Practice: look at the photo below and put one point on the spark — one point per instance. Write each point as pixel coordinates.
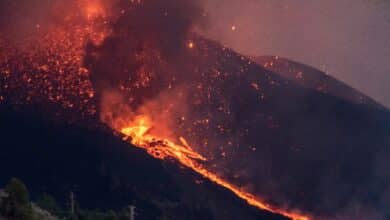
(191, 45)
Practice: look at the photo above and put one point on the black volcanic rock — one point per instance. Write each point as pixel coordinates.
(55, 157)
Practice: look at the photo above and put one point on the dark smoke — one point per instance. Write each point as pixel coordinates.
(148, 33)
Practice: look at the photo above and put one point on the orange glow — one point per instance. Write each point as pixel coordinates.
(191, 45)
(93, 9)
(140, 133)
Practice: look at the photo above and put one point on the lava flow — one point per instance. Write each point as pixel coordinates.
(139, 132)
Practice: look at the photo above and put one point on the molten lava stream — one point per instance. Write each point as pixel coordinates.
(138, 133)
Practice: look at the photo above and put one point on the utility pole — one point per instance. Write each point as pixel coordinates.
(72, 203)
(132, 212)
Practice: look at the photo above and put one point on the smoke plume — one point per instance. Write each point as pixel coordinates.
(146, 34)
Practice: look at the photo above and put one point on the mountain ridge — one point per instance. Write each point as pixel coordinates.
(312, 78)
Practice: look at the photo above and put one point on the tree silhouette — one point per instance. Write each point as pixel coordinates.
(17, 203)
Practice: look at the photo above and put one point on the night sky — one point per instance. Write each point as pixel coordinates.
(348, 39)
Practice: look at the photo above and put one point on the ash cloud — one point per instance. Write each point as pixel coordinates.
(147, 33)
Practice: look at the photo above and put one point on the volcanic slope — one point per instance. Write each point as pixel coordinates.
(312, 78)
(289, 144)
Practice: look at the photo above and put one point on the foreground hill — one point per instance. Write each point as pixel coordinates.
(104, 172)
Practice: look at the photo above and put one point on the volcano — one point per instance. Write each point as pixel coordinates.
(292, 146)
(253, 143)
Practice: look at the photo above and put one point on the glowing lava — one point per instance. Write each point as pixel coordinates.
(92, 9)
(140, 133)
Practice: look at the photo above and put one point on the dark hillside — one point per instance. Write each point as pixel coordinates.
(106, 173)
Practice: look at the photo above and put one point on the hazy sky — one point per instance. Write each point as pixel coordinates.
(349, 39)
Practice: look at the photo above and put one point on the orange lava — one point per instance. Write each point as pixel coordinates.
(93, 9)
(140, 133)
